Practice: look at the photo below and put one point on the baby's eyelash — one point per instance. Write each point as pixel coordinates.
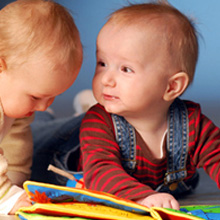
(127, 69)
(100, 63)
(35, 98)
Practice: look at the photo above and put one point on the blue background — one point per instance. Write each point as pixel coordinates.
(90, 15)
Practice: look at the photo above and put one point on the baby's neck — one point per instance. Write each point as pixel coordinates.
(155, 141)
(152, 133)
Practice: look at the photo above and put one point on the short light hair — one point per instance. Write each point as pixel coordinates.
(27, 26)
(177, 29)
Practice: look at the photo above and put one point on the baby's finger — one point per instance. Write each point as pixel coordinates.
(166, 204)
(174, 204)
(26, 203)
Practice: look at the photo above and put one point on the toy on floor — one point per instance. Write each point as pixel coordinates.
(60, 202)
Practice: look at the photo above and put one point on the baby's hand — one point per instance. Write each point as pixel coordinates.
(23, 201)
(163, 200)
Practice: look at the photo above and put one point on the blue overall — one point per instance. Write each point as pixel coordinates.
(177, 149)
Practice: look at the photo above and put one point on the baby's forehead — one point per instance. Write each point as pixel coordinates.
(145, 20)
(162, 29)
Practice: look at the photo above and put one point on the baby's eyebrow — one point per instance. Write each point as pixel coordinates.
(97, 51)
(42, 95)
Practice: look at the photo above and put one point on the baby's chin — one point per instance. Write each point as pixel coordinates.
(17, 116)
(111, 110)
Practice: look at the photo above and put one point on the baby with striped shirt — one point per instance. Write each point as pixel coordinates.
(141, 141)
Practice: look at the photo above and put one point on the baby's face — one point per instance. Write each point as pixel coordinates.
(32, 86)
(132, 70)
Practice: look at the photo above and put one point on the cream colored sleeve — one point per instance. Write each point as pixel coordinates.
(18, 149)
(8, 194)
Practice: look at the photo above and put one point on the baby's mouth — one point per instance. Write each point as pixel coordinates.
(110, 97)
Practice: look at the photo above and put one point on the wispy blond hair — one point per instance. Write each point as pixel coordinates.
(27, 26)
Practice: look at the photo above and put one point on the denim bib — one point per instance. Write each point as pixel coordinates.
(177, 147)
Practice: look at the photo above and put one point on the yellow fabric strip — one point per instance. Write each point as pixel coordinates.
(83, 210)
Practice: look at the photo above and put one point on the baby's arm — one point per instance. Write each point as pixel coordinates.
(102, 165)
(11, 197)
(18, 149)
(163, 200)
(23, 201)
(102, 159)
(14, 198)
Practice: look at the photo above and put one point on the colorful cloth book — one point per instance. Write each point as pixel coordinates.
(53, 202)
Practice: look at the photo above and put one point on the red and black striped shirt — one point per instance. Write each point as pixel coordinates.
(102, 160)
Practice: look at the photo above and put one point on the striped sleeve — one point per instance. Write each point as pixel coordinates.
(101, 158)
(204, 142)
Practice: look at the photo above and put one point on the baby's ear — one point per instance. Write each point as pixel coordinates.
(176, 86)
(3, 65)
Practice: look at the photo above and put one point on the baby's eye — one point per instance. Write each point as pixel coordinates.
(100, 63)
(35, 98)
(127, 69)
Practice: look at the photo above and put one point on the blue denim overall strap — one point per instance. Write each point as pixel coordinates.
(177, 142)
(177, 149)
(126, 139)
